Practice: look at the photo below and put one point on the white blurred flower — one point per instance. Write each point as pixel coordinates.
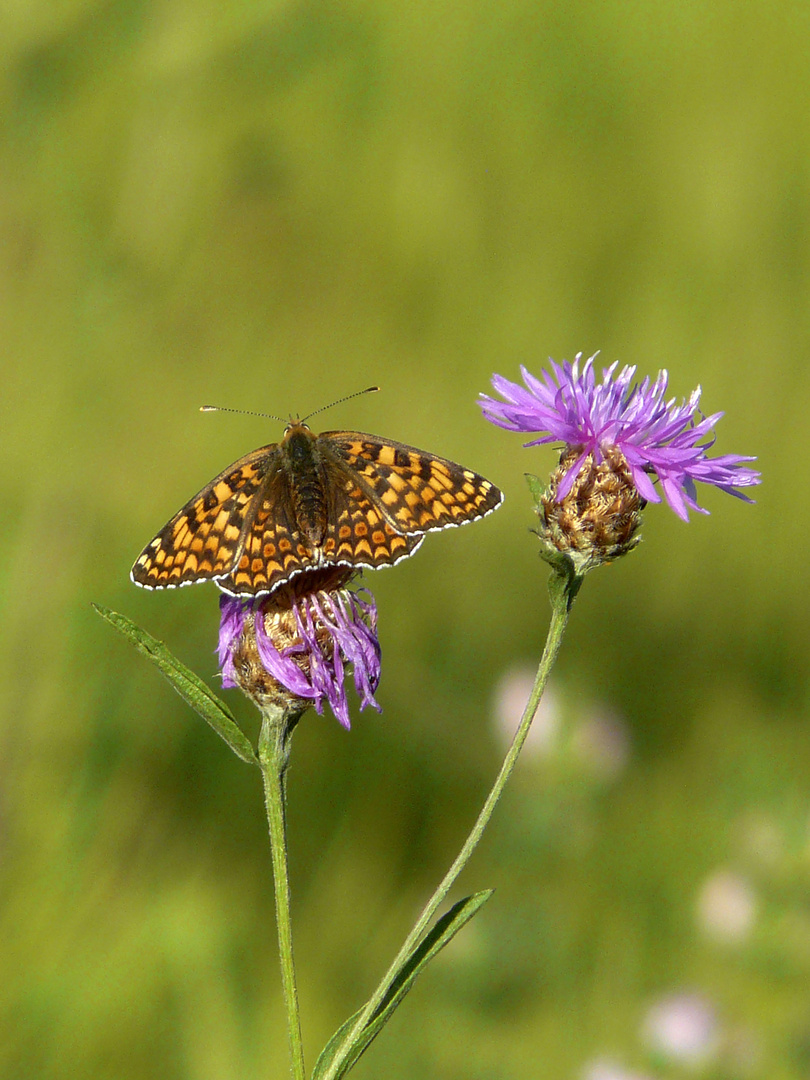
(682, 1027)
(605, 1069)
(727, 907)
(602, 743)
(511, 694)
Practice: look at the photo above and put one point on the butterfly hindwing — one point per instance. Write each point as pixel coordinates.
(274, 548)
(358, 534)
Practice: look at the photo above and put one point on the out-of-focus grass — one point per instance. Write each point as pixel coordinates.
(269, 206)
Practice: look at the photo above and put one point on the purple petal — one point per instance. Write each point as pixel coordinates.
(279, 665)
(232, 618)
(654, 434)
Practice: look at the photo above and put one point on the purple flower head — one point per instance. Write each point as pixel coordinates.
(654, 436)
(295, 652)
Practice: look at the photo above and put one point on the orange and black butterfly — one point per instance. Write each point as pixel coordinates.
(308, 503)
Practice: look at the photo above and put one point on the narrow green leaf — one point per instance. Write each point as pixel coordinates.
(189, 686)
(327, 1055)
(433, 942)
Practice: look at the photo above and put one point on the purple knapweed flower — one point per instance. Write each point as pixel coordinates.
(293, 650)
(631, 424)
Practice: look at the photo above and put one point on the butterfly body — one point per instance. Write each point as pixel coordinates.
(338, 499)
(307, 483)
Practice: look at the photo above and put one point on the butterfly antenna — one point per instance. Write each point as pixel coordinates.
(244, 412)
(357, 393)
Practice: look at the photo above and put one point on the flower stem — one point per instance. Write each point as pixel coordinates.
(273, 754)
(563, 589)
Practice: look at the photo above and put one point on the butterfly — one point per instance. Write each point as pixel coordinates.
(309, 503)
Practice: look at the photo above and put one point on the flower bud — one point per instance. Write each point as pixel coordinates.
(598, 519)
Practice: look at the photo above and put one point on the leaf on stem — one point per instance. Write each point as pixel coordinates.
(189, 686)
(344, 1050)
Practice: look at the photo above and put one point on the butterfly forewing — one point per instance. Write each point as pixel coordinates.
(417, 492)
(342, 498)
(202, 540)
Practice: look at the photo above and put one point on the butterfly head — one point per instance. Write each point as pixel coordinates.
(295, 426)
(298, 443)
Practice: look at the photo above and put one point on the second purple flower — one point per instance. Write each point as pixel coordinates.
(656, 437)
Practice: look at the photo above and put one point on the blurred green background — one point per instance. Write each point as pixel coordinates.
(269, 205)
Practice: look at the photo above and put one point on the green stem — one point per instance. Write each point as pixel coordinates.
(563, 591)
(273, 753)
